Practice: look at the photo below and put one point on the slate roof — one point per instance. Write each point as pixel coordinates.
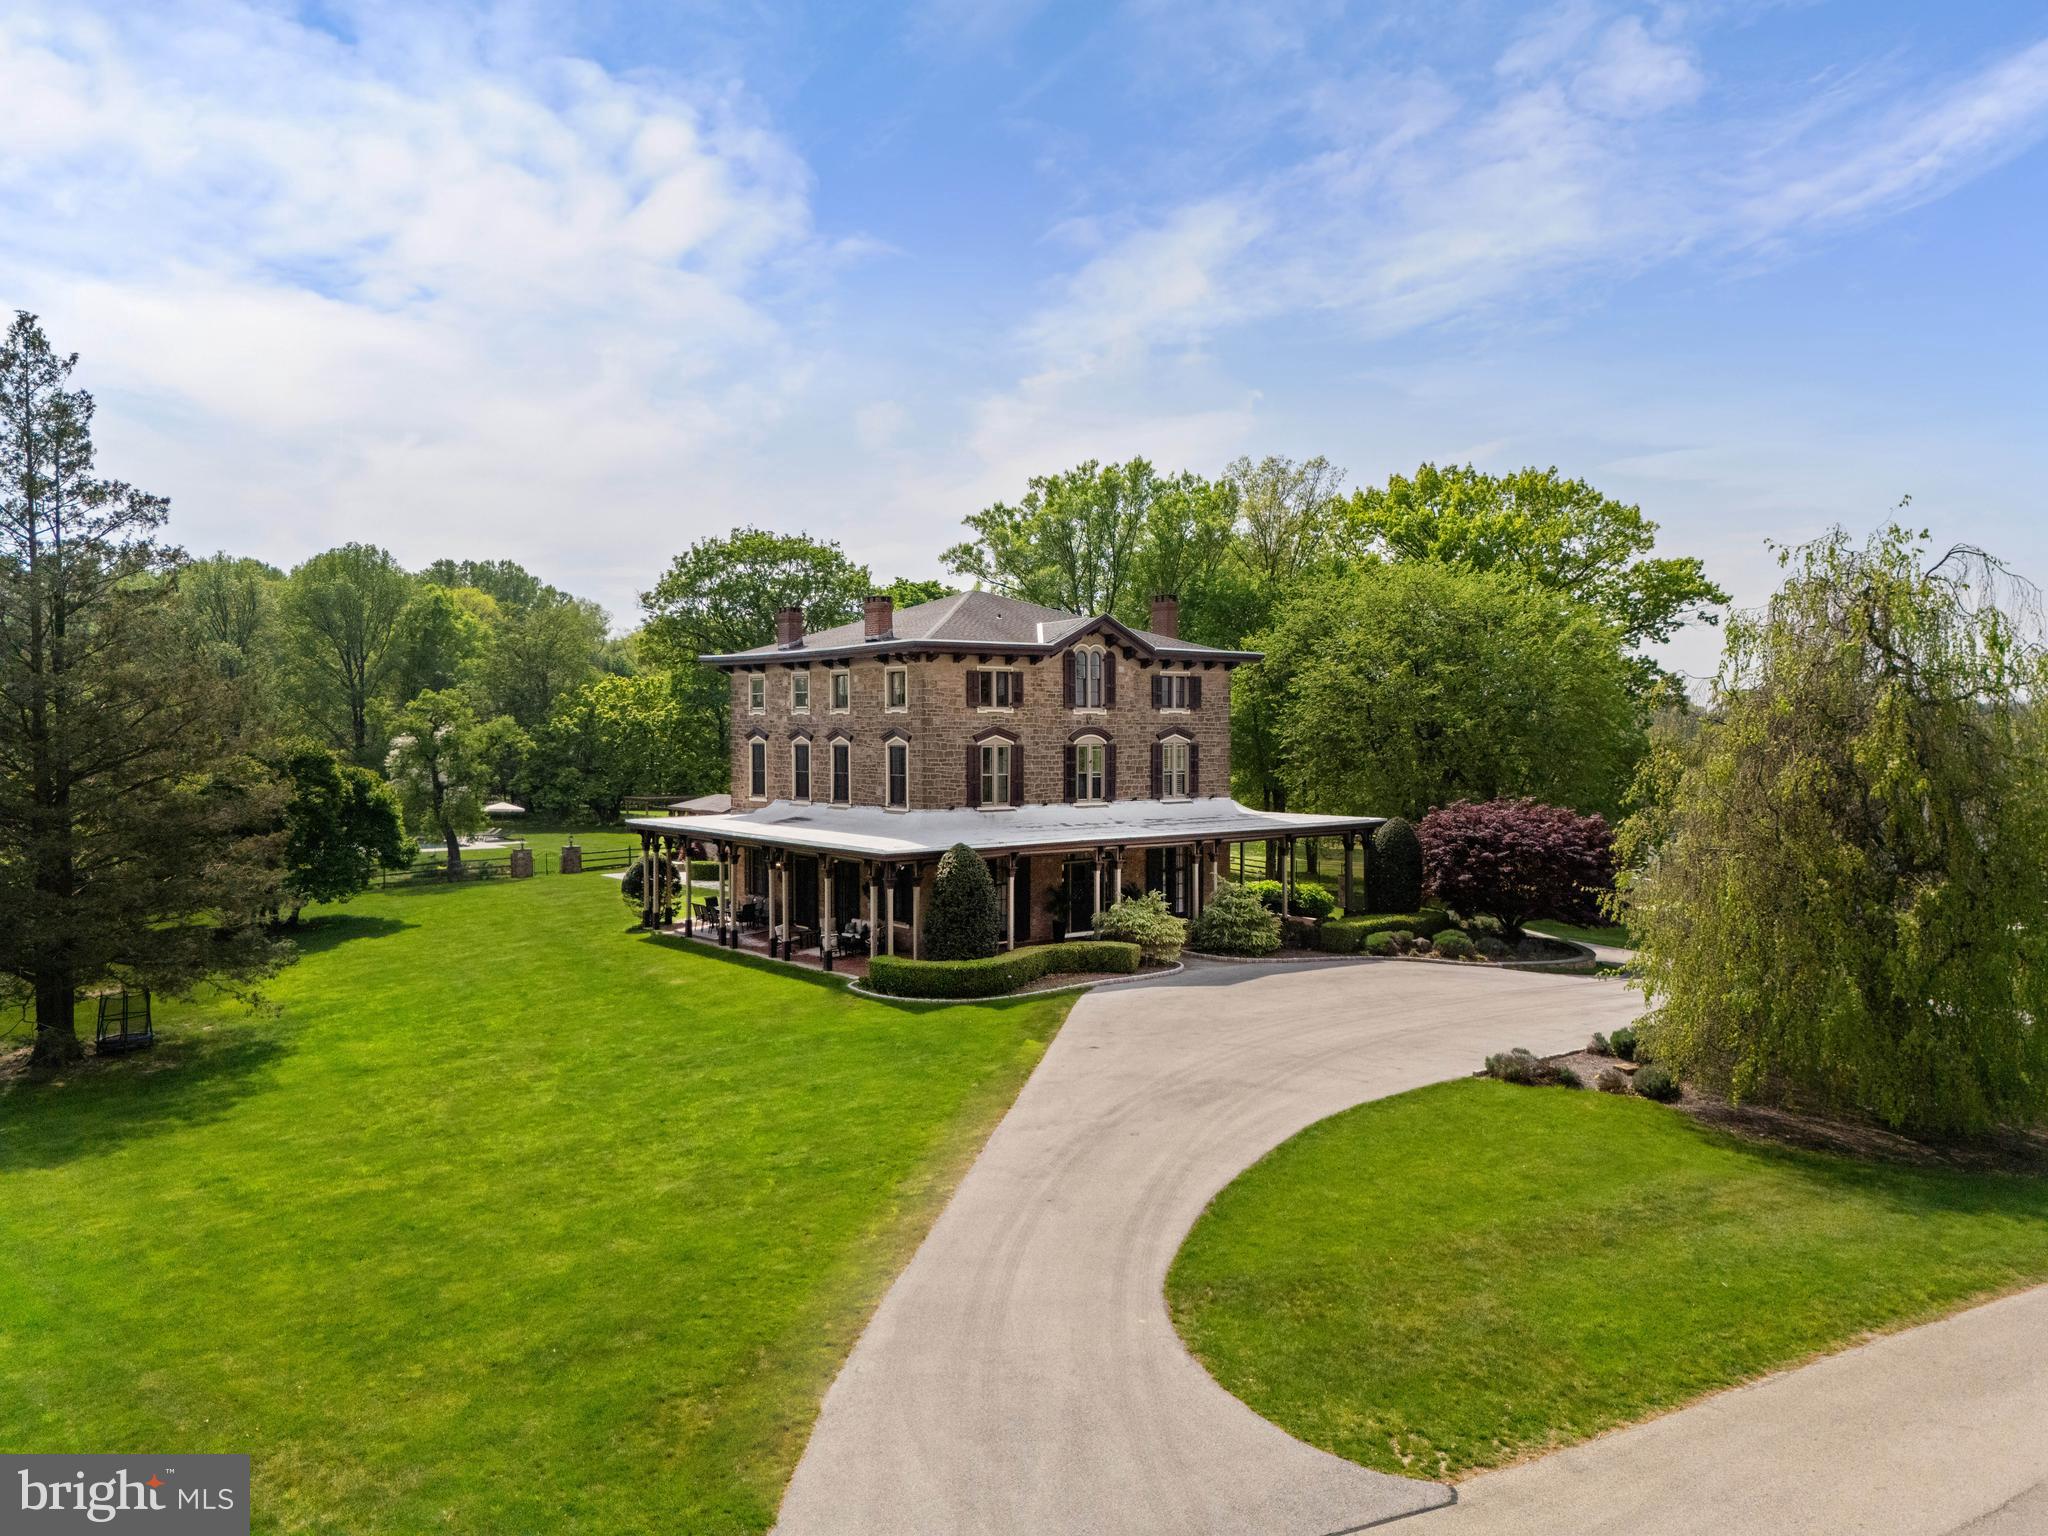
(973, 621)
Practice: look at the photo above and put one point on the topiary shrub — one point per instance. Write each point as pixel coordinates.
(1144, 921)
(1347, 935)
(1235, 922)
(1623, 1041)
(1393, 870)
(963, 923)
(1653, 1082)
(1611, 1080)
(1518, 859)
(1381, 944)
(900, 976)
(1453, 945)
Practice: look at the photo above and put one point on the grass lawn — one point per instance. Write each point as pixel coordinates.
(1585, 935)
(1457, 1277)
(508, 1219)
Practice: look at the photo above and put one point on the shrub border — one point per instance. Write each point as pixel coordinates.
(1038, 959)
(854, 985)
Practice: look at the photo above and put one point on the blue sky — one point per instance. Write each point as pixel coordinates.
(579, 285)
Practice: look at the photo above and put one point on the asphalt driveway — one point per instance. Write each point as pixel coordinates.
(1022, 1375)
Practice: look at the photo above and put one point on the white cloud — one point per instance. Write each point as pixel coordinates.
(1632, 74)
(467, 297)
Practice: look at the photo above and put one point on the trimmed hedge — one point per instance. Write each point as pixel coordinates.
(902, 977)
(1347, 935)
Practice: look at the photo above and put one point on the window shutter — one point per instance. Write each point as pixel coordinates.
(1017, 771)
(973, 774)
(1109, 772)
(1194, 768)
(1109, 679)
(1158, 682)
(1017, 688)
(1067, 677)
(1158, 774)
(1068, 793)
(973, 693)
(1195, 692)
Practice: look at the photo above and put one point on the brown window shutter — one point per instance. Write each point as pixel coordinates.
(1017, 771)
(973, 774)
(1109, 772)
(1194, 692)
(1194, 768)
(1017, 688)
(1109, 679)
(1068, 793)
(973, 692)
(1067, 677)
(1158, 772)
(1157, 682)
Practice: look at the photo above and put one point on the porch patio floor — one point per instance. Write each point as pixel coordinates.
(754, 942)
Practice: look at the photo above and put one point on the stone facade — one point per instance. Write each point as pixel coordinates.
(939, 725)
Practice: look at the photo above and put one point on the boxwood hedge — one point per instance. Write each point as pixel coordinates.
(902, 977)
(1347, 935)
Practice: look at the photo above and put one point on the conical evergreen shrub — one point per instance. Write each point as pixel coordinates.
(963, 923)
(1393, 871)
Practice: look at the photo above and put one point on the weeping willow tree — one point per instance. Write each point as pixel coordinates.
(1839, 885)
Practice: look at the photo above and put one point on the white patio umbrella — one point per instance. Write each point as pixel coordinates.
(504, 808)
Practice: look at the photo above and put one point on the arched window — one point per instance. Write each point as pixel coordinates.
(842, 772)
(757, 768)
(1092, 688)
(1173, 768)
(1091, 769)
(898, 751)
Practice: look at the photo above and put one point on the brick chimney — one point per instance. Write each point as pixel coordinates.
(879, 614)
(789, 627)
(1166, 616)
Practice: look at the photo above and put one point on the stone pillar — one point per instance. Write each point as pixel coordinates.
(521, 865)
(570, 860)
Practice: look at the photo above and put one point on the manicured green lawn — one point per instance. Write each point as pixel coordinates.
(1586, 934)
(509, 1219)
(1457, 1277)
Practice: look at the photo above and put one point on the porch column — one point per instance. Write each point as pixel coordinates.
(916, 913)
(1116, 877)
(1286, 876)
(1095, 868)
(788, 951)
(825, 907)
(1010, 907)
(874, 874)
(1344, 892)
(646, 881)
(689, 893)
(889, 905)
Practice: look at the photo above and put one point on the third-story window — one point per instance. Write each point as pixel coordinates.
(800, 768)
(1173, 769)
(842, 772)
(899, 774)
(995, 773)
(1089, 775)
(757, 692)
(898, 688)
(1172, 691)
(995, 690)
(757, 769)
(842, 689)
(799, 690)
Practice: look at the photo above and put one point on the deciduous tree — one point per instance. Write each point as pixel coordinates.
(1838, 894)
(341, 825)
(432, 765)
(341, 612)
(1517, 859)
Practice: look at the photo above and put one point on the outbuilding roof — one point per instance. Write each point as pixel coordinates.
(869, 832)
(974, 621)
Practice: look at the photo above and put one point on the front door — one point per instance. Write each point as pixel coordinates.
(1080, 896)
(803, 891)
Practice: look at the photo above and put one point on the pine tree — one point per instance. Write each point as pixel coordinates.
(136, 845)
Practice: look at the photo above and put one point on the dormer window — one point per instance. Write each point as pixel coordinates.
(800, 692)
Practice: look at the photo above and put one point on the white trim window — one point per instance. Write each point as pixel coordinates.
(800, 769)
(800, 691)
(1091, 769)
(995, 689)
(897, 787)
(757, 692)
(842, 690)
(1174, 692)
(995, 773)
(896, 690)
(1173, 769)
(757, 768)
(1090, 662)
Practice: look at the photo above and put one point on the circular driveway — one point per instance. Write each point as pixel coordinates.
(1022, 1375)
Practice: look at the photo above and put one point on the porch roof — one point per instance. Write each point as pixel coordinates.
(869, 832)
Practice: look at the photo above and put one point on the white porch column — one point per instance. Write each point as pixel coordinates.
(916, 913)
(646, 881)
(825, 907)
(1095, 869)
(889, 906)
(874, 873)
(1116, 877)
(689, 891)
(1010, 908)
(1286, 876)
(787, 924)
